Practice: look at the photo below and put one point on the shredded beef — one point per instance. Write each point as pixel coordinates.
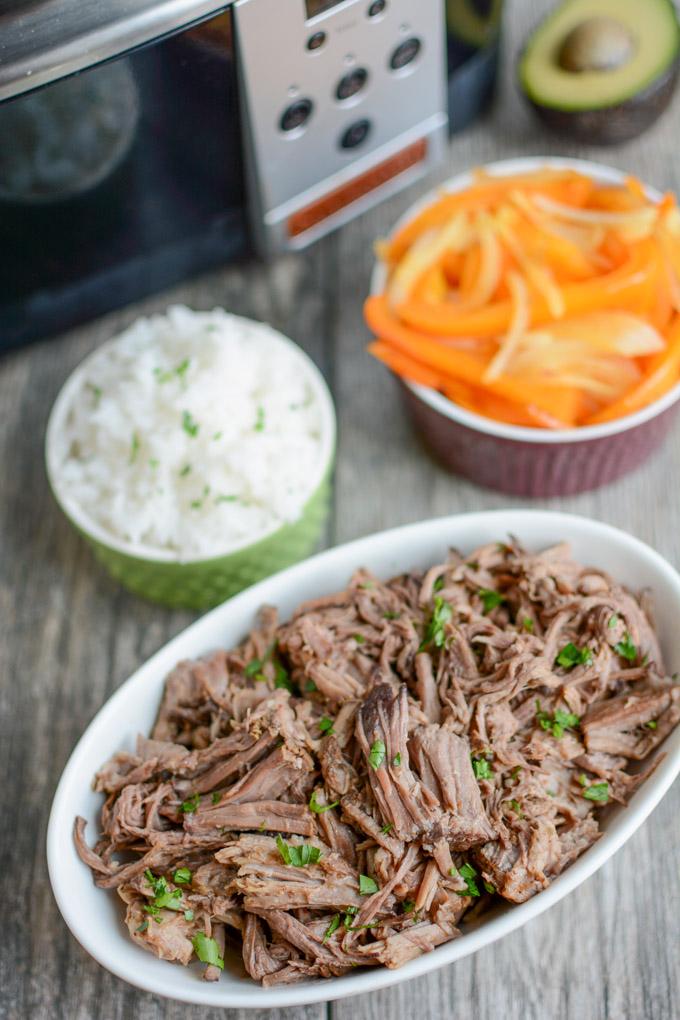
(351, 787)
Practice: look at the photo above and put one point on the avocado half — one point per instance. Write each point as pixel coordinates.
(602, 71)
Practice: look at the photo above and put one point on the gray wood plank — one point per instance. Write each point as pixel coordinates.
(69, 636)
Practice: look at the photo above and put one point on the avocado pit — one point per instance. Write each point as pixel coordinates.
(596, 44)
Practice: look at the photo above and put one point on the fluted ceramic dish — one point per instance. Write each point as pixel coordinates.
(526, 461)
(168, 578)
(96, 918)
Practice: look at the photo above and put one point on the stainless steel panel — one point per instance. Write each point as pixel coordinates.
(288, 169)
(47, 39)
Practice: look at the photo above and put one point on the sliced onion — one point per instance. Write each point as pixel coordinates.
(489, 275)
(637, 224)
(518, 326)
(423, 253)
(540, 276)
(588, 239)
(610, 331)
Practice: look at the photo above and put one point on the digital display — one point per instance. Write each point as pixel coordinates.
(315, 7)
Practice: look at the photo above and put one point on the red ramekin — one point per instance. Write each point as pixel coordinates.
(526, 461)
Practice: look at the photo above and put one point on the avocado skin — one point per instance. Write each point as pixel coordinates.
(610, 125)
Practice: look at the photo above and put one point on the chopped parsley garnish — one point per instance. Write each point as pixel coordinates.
(332, 927)
(259, 421)
(207, 950)
(377, 755)
(253, 667)
(489, 888)
(468, 873)
(438, 584)
(571, 656)
(153, 463)
(190, 426)
(435, 633)
(515, 772)
(408, 906)
(185, 471)
(223, 498)
(528, 624)
(366, 585)
(181, 876)
(310, 687)
(360, 927)
(386, 829)
(298, 856)
(626, 648)
(652, 724)
(163, 376)
(143, 926)
(164, 898)
(281, 678)
(396, 761)
(188, 915)
(613, 620)
(96, 395)
(319, 809)
(196, 504)
(326, 726)
(218, 435)
(191, 805)
(359, 638)
(482, 769)
(490, 598)
(216, 797)
(391, 616)
(559, 722)
(515, 806)
(134, 448)
(183, 368)
(598, 792)
(367, 885)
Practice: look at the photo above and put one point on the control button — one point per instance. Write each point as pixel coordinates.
(405, 53)
(316, 41)
(376, 8)
(351, 83)
(355, 134)
(297, 114)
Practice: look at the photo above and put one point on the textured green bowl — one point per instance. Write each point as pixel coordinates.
(161, 576)
(200, 584)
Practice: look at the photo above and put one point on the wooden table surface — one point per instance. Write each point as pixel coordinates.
(69, 636)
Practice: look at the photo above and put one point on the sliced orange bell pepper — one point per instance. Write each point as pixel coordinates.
(404, 366)
(472, 260)
(617, 198)
(567, 185)
(451, 362)
(624, 288)
(452, 265)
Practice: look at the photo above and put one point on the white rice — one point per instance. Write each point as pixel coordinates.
(192, 432)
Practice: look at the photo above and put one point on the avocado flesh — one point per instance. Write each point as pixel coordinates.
(655, 37)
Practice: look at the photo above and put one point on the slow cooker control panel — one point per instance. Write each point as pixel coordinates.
(331, 89)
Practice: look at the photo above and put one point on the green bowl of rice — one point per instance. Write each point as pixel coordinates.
(194, 452)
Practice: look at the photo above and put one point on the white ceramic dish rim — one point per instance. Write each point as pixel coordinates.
(391, 550)
(438, 402)
(151, 554)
